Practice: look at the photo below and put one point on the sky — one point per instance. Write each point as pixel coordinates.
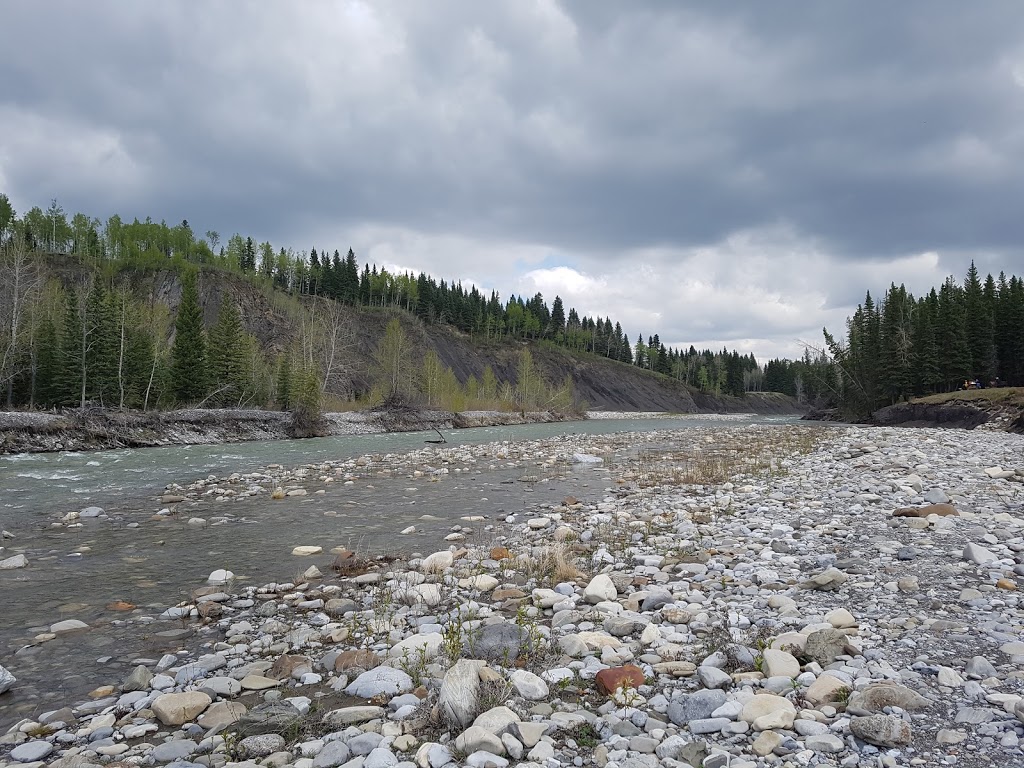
(722, 174)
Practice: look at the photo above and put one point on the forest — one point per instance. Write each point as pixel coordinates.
(91, 339)
(95, 342)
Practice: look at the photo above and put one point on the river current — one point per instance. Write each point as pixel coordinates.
(154, 562)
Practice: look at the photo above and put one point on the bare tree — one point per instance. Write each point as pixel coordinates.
(20, 282)
(327, 341)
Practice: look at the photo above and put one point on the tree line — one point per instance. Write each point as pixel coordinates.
(149, 244)
(902, 346)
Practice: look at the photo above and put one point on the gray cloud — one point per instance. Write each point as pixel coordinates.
(456, 136)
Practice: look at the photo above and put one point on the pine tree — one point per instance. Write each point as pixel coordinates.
(283, 383)
(979, 320)
(69, 386)
(189, 365)
(48, 366)
(228, 354)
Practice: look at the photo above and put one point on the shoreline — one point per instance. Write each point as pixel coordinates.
(904, 630)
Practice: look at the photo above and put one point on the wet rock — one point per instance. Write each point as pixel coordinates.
(18, 561)
(6, 680)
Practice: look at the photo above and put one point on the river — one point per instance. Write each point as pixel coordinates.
(154, 562)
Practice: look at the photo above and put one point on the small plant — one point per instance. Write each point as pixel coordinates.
(414, 664)
(585, 735)
(842, 695)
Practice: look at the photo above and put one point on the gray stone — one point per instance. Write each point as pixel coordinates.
(353, 715)
(138, 680)
(380, 680)
(695, 706)
(380, 757)
(826, 742)
(713, 677)
(824, 645)
(6, 680)
(981, 667)
(18, 561)
(528, 685)
(878, 696)
(170, 751)
(333, 754)
(502, 642)
(364, 743)
(260, 745)
(881, 730)
(31, 751)
(269, 717)
(936, 496)
(978, 554)
(459, 697)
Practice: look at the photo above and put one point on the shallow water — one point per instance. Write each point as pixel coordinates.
(76, 572)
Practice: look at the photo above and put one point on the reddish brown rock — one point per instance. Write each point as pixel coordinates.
(359, 659)
(944, 510)
(611, 679)
(286, 664)
(120, 605)
(500, 553)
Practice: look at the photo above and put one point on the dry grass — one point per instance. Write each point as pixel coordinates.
(998, 395)
(720, 459)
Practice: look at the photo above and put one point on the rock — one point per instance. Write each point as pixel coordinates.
(306, 551)
(502, 642)
(600, 589)
(881, 730)
(333, 754)
(612, 679)
(220, 576)
(695, 706)
(841, 618)
(68, 625)
(766, 711)
(6, 680)
(260, 745)
(941, 509)
(258, 683)
(459, 698)
(528, 685)
(826, 581)
(220, 714)
(31, 751)
(381, 680)
(380, 757)
(779, 664)
(475, 739)
(497, 720)
(936, 496)
(269, 717)
(138, 680)
(978, 554)
(171, 751)
(353, 715)
(826, 743)
(18, 561)
(713, 677)
(338, 607)
(878, 696)
(826, 689)
(824, 645)
(437, 562)
(179, 708)
(91, 512)
(360, 658)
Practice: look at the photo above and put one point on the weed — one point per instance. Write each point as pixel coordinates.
(585, 735)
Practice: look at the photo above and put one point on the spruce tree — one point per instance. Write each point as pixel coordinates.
(227, 354)
(189, 371)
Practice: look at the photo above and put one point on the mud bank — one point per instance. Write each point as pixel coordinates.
(100, 429)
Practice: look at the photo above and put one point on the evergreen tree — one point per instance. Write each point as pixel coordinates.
(978, 312)
(69, 383)
(189, 371)
(228, 354)
(48, 365)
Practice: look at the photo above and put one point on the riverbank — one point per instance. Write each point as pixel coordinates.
(97, 429)
(742, 596)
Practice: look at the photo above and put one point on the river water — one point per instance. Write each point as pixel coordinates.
(154, 562)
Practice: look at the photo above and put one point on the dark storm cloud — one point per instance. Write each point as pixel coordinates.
(595, 130)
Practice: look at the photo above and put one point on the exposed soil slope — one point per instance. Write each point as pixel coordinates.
(999, 408)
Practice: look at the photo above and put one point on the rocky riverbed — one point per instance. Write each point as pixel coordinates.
(736, 597)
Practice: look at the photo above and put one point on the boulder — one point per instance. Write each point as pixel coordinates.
(600, 589)
(881, 730)
(459, 697)
(878, 696)
(18, 561)
(612, 679)
(179, 708)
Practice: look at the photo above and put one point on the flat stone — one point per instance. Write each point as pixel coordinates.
(878, 696)
(941, 509)
(10, 563)
(31, 751)
(306, 551)
(333, 754)
(381, 680)
(68, 625)
(976, 553)
(695, 706)
(353, 715)
(612, 679)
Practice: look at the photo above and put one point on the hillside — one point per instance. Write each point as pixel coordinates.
(996, 408)
(277, 319)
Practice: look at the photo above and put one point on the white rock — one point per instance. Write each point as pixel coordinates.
(528, 685)
(18, 561)
(305, 551)
(437, 562)
(600, 589)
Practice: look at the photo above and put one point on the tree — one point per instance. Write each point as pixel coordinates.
(7, 217)
(556, 327)
(189, 373)
(213, 238)
(228, 354)
(19, 285)
(392, 364)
